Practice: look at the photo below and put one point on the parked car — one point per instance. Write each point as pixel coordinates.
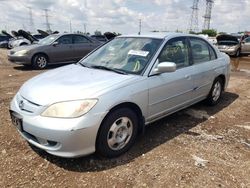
(4, 37)
(23, 38)
(4, 40)
(17, 40)
(101, 38)
(228, 44)
(54, 49)
(245, 46)
(102, 103)
(212, 40)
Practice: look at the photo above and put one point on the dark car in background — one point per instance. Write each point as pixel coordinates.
(54, 49)
(4, 40)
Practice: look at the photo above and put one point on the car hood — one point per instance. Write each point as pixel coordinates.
(227, 38)
(27, 36)
(72, 82)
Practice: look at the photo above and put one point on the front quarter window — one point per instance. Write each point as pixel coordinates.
(127, 54)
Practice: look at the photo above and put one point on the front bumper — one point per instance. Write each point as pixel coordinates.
(59, 136)
(230, 52)
(19, 59)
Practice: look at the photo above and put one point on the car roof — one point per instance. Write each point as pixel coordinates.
(159, 35)
(63, 34)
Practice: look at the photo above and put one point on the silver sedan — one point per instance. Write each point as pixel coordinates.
(103, 102)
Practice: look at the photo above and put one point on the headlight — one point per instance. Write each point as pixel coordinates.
(21, 52)
(69, 109)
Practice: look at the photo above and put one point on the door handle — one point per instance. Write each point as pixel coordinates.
(188, 77)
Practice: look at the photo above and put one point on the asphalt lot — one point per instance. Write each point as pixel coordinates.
(198, 147)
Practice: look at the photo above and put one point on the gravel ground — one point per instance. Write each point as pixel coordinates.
(197, 147)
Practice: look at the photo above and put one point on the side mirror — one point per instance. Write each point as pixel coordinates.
(165, 67)
(55, 43)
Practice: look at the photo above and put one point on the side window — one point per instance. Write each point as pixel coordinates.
(212, 53)
(67, 39)
(247, 40)
(200, 50)
(175, 50)
(77, 39)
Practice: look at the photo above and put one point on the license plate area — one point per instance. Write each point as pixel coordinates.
(16, 120)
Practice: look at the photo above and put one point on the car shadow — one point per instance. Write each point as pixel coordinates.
(155, 134)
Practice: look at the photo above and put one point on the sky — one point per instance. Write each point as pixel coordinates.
(121, 16)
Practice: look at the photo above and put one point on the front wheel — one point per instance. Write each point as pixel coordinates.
(40, 61)
(117, 133)
(215, 92)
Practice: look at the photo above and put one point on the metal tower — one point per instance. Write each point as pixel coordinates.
(31, 19)
(47, 20)
(194, 24)
(207, 16)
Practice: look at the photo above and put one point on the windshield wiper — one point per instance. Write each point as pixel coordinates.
(84, 65)
(109, 69)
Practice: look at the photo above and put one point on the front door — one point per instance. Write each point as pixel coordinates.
(245, 46)
(63, 51)
(171, 91)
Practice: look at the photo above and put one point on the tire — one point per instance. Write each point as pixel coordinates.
(215, 92)
(117, 133)
(40, 61)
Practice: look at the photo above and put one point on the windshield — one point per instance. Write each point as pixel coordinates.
(127, 54)
(47, 40)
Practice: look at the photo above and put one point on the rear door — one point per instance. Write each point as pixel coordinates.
(171, 91)
(245, 46)
(205, 64)
(82, 46)
(62, 51)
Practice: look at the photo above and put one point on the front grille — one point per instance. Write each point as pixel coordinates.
(26, 105)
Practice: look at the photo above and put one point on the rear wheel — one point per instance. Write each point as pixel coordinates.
(40, 61)
(215, 92)
(117, 133)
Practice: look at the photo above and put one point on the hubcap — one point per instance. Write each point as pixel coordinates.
(41, 62)
(120, 133)
(216, 91)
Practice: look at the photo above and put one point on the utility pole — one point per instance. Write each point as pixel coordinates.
(70, 26)
(139, 27)
(194, 24)
(31, 19)
(85, 28)
(207, 16)
(47, 20)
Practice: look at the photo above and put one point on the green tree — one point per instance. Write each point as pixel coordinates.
(209, 32)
